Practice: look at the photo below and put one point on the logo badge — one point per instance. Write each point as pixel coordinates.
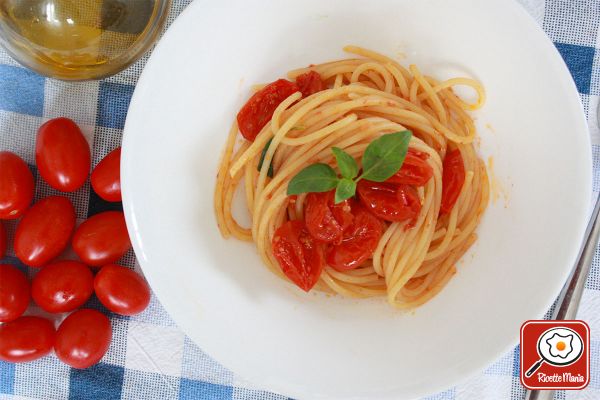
(555, 354)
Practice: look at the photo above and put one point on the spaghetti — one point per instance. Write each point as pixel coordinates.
(356, 101)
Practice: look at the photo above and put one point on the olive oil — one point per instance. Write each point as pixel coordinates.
(77, 39)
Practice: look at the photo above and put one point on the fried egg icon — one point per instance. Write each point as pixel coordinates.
(560, 346)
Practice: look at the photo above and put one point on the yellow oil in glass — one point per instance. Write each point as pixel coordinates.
(76, 39)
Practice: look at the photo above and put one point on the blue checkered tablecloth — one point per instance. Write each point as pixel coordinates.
(150, 358)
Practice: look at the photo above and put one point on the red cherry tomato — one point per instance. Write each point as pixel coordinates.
(310, 83)
(299, 255)
(14, 293)
(324, 219)
(359, 243)
(106, 177)
(3, 240)
(44, 231)
(62, 154)
(26, 339)
(121, 290)
(83, 338)
(453, 179)
(415, 170)
(102, 239)
(16, 186)
(257, 112)
(389, 201)
(62, 286)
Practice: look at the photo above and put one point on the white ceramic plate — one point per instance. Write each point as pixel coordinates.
(313, 346)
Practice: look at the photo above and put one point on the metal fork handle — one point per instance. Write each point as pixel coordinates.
(570, 296)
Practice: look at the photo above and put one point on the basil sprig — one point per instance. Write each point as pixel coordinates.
(383, 157)
(314, 178)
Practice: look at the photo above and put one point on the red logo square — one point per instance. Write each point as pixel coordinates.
(555, 354)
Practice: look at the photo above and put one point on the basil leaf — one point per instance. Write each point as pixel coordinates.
(262, 159)
(384, 156)
(345, 162)
(314, 178)
(344, 190)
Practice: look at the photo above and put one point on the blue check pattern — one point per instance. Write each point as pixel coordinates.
(150, 358)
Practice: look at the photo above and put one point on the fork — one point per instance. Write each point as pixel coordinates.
(570, 296)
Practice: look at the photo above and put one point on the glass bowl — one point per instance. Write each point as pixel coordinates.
(80, 39)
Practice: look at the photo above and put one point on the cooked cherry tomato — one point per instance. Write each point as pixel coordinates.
(359, 242)
(257, 112)
(62, 154)
(83, 338)
(14, 293)
(16, 186)
(299, 255)
(106, 177)
(121, 290)
(62, 286)
(389, 201)
(102, 239)
(3, 240)
(326, 220)
(26, 339)
(44, 231)
(453, 179)
(310, 83)
(415, 170)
